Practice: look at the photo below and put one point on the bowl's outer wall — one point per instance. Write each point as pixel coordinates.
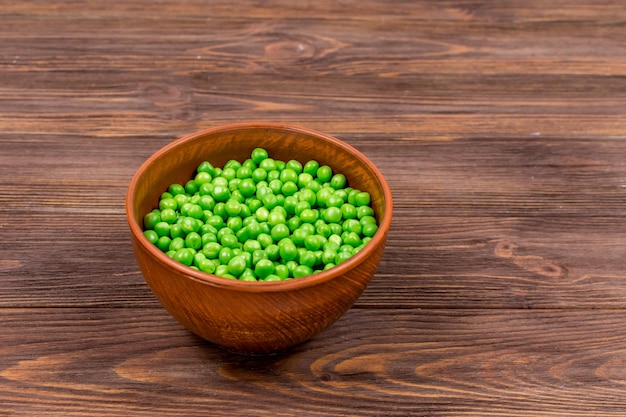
(255, 321)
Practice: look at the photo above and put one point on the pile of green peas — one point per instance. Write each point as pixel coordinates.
(262, 219)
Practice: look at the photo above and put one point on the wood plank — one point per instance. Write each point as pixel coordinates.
(118, 362)
(478, 262)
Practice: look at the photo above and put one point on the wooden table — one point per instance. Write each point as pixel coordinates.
(500, 126)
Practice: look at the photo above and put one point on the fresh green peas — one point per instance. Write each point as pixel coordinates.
(311, 167)
(184, 256)
(151, 219)
(258, 155)
(168, 203)
(288, 174)
(220, 193)
(162, 228)
(338, 181)
(362, 199)
(369, 229)
(294, 165)
(279, 232)
(289, 188)
(259, 174)
(152, 236)
(247, 187)
(332, 215)
(302, 271)
(191, 187)
(164, 243)
(236, 265)
(207, 167)
(262, 219)
(287, 249)
(324, 173)
(193, 240)
(176, 189)
(263, 268)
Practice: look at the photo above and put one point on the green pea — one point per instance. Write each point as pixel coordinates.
(184, 256)
(180, 199)
(236, 265)
(369, 229)
(302, 271)
(332, 215)
(220, 193)
(258, 175)
(287, 249)
(342, 257)
(309, 215)
(206, 265)
(338, 181)
(176, 230)
(207, 167)
(162, 228)
(203, 177)
(234, 223)
(164, 243)
(263, 268)
(324, 173)
(308, 195)
(294, 165)
(168, 203)
(205, 189)
(189, 224)
(169, 216)
(351, 225)
(247, 187)
(151, 219)
(176, 189)
(313, 242)
(215, 221)
(191, 187)
(208, 238)
(307, 258)
(267, 164)
(273, 252)
(229, 240)
(304, 179)
(289, 188)
(328, 256)
(280, 231)
(212, 250)
(152, 236)
(334, 200)
(193, 240)
(362, 199)
(281, 271)
(265, 239)
(258, 155)
(311, 167)
(195, 211)
(225, 255)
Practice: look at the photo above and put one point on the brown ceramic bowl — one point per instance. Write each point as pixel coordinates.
(254, 317)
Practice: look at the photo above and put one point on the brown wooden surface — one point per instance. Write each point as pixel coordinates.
(500, 126)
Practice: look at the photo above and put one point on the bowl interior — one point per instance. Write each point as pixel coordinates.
(177, 162)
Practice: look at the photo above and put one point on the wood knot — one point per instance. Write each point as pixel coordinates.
(505, 249)
(290, 50)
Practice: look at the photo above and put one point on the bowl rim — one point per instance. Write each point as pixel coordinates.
(248, 286)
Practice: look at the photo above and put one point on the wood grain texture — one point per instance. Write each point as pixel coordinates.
(430, 362)
(500, 127)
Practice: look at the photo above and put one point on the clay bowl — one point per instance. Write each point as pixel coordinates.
(254, 317)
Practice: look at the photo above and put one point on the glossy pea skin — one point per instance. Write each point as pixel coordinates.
(262, 219)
